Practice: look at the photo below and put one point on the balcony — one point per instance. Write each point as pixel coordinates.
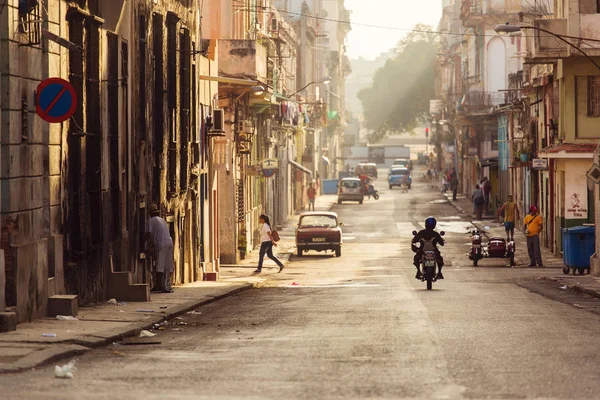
(546, 48)
(483, 102)
(473, 10)
(244, 59)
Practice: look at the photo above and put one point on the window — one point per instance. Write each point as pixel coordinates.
(593, 96)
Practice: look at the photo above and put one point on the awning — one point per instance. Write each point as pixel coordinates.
(325, 160)
(489, 162)
(300, 167)
(232, 81)
(569, 150)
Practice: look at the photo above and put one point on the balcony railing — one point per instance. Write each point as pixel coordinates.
(485, 100)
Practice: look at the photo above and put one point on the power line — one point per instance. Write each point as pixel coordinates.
(265, 9)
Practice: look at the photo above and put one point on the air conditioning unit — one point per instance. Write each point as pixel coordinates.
(274, 25)
(218, 120)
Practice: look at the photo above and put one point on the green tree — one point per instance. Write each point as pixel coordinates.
(402, 88)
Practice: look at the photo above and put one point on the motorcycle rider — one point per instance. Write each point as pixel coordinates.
(428, 234)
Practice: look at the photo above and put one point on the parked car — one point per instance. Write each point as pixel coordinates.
(350, 189)
(369, 169)
(399, 175)
(319, 231)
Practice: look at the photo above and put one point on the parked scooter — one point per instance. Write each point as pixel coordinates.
(496, 247)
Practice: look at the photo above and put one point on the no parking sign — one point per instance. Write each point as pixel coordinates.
(56, 100)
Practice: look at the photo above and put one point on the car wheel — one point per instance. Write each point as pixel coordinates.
(360, 202)
(339, 201)
(299, 252)
(390, 187)
(338, 251)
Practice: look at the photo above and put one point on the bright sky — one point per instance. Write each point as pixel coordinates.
(369, 42)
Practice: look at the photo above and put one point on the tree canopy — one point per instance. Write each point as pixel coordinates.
(401, 90)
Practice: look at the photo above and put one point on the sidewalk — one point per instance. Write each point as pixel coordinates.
(48, 340)
(244, 271)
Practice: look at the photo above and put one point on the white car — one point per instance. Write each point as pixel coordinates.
(350, 189)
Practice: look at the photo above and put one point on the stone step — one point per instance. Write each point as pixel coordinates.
(63, 304)
(8, 321)
(121, 288)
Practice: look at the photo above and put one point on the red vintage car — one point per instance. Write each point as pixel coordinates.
(319, 231)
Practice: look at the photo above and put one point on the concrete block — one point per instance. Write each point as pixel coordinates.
(211, 276)
(63, 304)
(2, 282)
(8, 321)
(31, 263)
(121, 288)
(138, 292)
(54, 160)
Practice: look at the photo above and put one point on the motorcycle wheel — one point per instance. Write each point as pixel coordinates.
(376, 196)
(429, 283)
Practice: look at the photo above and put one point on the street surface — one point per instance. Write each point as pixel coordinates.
(359, 326)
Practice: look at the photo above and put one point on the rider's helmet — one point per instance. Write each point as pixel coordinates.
(430, 223)
(533, 209)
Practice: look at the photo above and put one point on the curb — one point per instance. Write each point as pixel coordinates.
(575, 288)
(83, 344)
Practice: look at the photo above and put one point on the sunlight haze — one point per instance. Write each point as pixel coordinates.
(368, 42)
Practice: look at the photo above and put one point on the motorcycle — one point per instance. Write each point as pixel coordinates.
(496, 247)
(369, 190)
(429, 261)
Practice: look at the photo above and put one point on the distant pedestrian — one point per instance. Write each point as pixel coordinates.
(312, 194)
(532, 225)
(444, 184)
(157, 233)
(267, 243)
(486, 186)
(478, 202)
(454, 186)
(511, 216)
(429, 177)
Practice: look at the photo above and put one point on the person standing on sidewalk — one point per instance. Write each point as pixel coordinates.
(267, 243)
(511, 215)
(478, 202)
(532, 225)
(454, 185)
(157, 233)
(486, 186)
(312, 194)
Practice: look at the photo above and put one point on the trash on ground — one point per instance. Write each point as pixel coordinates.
(295, 284)
(66, 318)
(163, 307)
(66, 371)
(48, 334)
(143, 310)
(181, 323)
(118, 353)
(194, 312)
(146, 333)
(122, 303)
(112, 301)
(179, 318)
(177, 329)
(139, 342)
(564, 287)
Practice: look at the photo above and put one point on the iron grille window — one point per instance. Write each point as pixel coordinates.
(184, 107)
(112, 108)
(594, 96)
(142, 64)
(30, 21)
(158, 112)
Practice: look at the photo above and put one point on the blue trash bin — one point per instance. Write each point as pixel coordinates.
(578, 246)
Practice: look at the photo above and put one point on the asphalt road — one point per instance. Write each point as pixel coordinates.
(359, 326)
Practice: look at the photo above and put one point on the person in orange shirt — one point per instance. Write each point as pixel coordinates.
(532, 225)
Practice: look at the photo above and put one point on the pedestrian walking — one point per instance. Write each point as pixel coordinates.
(444, 184)
(486, 186)
(511, 216)
(478, 202)
(157, 234)
(532, 225)
(311, 192)
(454, 186)
(267, 244)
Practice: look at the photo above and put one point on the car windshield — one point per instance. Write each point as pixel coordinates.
(351, 184)
(325, 221)
(400, 162)
(396, 172)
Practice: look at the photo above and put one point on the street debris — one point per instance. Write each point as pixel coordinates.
(66, 371)
(177, 329)
(112, 301)
(194, 312)
(143, 310)
(295, 284)
(146, 333)
(66, 318)
(179, 318)
(118, 353)
(48, 334)
(163, 307)
(564, 287)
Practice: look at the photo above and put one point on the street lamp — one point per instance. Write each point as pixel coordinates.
(256, 90)
(507, 28)
(324, 80)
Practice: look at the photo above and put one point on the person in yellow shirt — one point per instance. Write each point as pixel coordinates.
(532, 225)
(511, 216)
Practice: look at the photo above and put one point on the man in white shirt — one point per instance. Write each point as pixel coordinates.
(157, 233)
